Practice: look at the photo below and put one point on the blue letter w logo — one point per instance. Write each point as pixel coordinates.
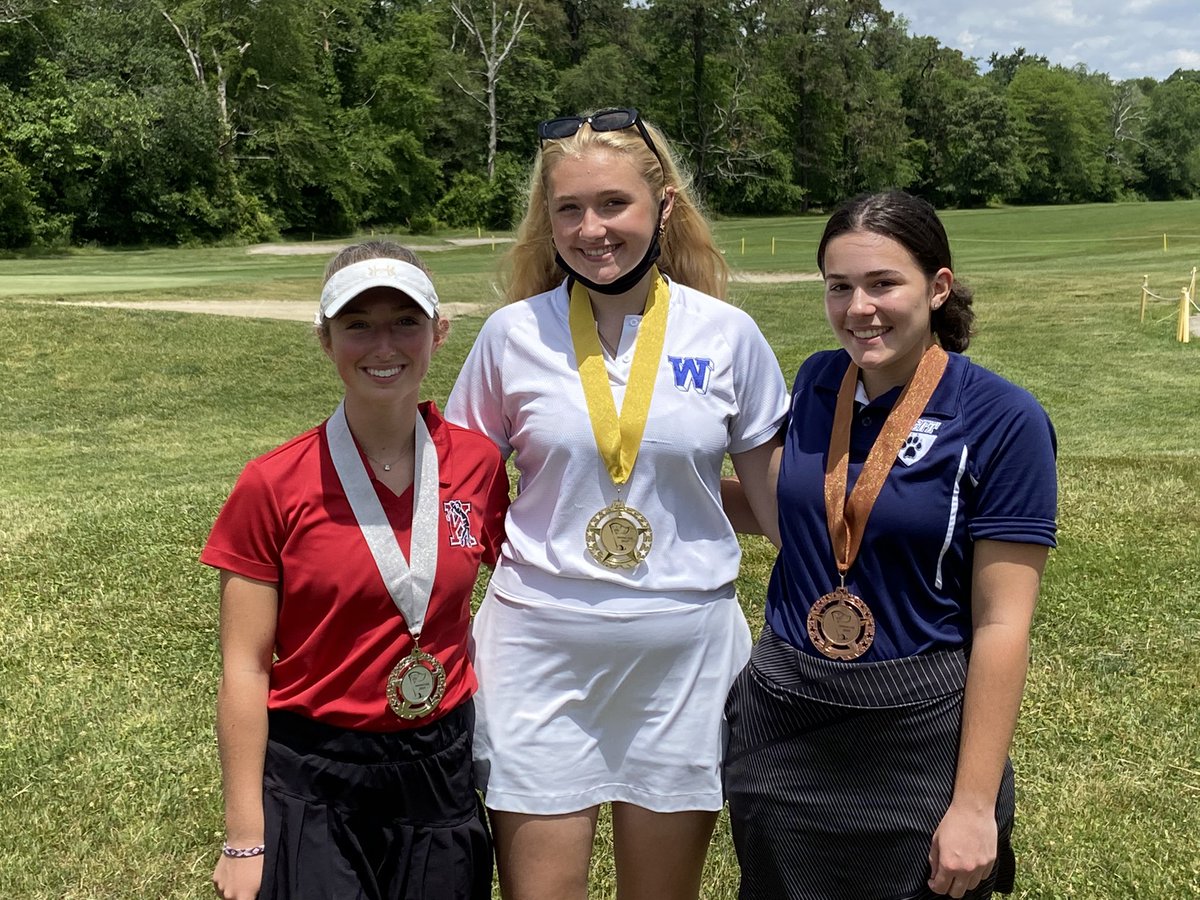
(691, 372)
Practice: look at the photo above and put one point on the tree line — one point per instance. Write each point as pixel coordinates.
(132, 122)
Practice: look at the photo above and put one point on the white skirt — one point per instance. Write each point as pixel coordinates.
(579, 706)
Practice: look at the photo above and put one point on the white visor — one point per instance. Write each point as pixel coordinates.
(346, 284)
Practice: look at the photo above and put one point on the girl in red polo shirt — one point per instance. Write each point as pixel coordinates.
(347, 558)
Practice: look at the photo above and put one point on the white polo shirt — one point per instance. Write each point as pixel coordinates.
(718, 390)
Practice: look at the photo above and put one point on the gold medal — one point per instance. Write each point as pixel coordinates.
(416, 685)
(418, 682)
(619, 536)
(841, 625)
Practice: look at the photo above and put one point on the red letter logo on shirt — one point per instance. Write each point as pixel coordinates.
(458, 514)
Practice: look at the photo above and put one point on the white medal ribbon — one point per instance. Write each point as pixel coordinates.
(408, 581)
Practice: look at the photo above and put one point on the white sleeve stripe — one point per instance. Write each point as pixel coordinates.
(962, 467)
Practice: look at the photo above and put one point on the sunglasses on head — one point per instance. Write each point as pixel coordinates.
(605, 120)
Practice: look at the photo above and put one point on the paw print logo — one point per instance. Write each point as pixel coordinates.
(915, 447)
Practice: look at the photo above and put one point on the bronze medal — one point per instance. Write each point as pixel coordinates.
(619, 536)
(841, 625)
(416, 685)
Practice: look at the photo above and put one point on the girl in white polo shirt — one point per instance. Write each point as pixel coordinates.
(611, 631)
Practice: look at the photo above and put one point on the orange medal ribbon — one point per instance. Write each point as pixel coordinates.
(840, 624)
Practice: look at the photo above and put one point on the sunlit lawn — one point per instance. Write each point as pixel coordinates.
(123, 431)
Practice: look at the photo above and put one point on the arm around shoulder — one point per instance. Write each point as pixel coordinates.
(750, 499)
(477, 399)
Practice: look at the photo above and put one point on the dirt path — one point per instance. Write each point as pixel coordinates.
(775, 277)
(302, 310)
(292, 310)
(321, 248)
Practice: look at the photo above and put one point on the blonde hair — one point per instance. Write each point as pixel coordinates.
(689, 253)
(377, 249)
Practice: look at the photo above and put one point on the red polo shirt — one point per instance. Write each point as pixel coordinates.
(339, 634)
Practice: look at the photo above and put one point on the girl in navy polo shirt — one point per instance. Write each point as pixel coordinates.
(916, 506)
(347, 558)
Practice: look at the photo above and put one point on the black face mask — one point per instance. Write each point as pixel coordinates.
(626, 281)
(630, 278)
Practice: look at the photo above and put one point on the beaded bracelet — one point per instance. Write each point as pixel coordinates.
(243, 852)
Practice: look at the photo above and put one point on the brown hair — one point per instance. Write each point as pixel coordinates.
(373, 249)
(914, 224)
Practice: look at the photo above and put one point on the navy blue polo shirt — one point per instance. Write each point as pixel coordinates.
(977, 465)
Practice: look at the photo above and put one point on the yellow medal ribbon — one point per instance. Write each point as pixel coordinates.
(619, 439)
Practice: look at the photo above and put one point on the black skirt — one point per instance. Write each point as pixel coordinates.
(837, 775)
(354, 815)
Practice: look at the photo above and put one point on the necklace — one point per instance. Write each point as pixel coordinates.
(387, 467)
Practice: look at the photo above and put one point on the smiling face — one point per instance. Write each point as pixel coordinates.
(879, 301)
(602, 212)
(381, 343)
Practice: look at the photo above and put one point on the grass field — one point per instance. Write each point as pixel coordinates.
(124, 430)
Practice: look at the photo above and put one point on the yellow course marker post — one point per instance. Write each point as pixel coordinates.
(1164, 243)
(772, 246)
(744, 250)
(1185, 332)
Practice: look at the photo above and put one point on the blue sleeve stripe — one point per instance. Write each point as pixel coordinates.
(1015, 530)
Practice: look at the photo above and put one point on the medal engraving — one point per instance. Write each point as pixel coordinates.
(619, 536)
(416, 685)
(841, 625)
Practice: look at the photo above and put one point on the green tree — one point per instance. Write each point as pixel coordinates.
(934, 82)
(982, 160)
(1003, 67)
(1062, 128)
(607, 75)
(19, 212)
(134, 121)
(697, 77)
(708, 62)
(1171, 157)
(390, 77)
(846, 119)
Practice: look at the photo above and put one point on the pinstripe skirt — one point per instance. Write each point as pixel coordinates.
(837, 774)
